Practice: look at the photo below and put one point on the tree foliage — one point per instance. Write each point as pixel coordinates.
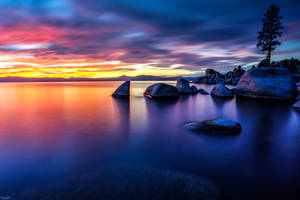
(268, 36)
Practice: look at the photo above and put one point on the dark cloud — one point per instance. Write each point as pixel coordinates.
(143, 31)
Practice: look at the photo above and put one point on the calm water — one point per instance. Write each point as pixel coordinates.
(53, 130)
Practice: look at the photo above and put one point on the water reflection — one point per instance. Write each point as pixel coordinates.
(50, 130)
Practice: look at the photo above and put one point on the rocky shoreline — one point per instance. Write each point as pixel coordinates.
(273, 83)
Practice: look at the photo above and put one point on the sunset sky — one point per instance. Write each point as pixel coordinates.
(111, 38)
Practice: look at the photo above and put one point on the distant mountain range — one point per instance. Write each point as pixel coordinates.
(121, 78)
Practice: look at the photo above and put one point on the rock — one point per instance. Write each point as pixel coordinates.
(296, 106)
(296, 77)
(194, 89)
(202, 91)
(214, 77)
(183, 86)
(161, 90)
(263, 63)
(235, 81)
(124, 181)
(221, 91)
(268, 83)
(216, 126)
(123, 91)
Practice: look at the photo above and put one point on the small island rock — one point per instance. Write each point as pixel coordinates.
(216, 126)
(123, 90)
(161, 90)
(221, 90)
(268, 83)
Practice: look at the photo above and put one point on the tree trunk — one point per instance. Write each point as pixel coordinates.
(269, 58)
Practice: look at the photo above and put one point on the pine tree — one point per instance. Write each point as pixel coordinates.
(268, 36)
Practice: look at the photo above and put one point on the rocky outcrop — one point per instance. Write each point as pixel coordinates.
(296, 106)
(214, 77)
(211, 77)
(161, 90)
(232, 78)
(268, 83)
(184, 87)
(194, 89)
(123, 91)
(217, 126)
(202, 91)
(221, 91)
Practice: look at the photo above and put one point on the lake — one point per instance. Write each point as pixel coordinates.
(52, 130)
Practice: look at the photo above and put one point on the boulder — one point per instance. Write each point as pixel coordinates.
(123, 181)
(202, 91)
(267, 83)
(183, 86)
(194, 89)
(216, 126)
(296, 106)
(221, 91)
(161, 90)
(214, 77)
(123, 91)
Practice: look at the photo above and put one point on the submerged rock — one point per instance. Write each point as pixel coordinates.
(161, 90)
(267, 82)
(125, 181)
(296, 106)
(221, 91)
(183, 86)
(216, 126)
(123, 90)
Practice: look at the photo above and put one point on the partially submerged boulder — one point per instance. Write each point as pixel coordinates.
(221, 90)
(123, 91)
(124, 181)
(194, 89)
(267, 83)
(161, 90)
(184, 87)
(216, 126)
(202, 91)
(296, 106)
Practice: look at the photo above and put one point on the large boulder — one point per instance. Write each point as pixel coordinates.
(296, 106)
(122, 91)
(268, 83)
(184, 87)
(216, 126)
(161, 90)
(221, 91)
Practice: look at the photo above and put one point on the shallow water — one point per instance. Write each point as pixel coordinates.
(53, 130)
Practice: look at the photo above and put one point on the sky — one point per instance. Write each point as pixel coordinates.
(112, 38)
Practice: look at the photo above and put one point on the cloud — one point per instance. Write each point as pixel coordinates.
(153, 35)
